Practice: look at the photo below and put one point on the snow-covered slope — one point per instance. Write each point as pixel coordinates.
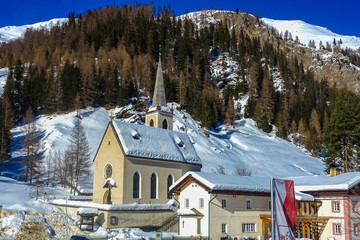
(243, 147)
(307, 32)
(4, 72)
(13, 32)
(248, 148)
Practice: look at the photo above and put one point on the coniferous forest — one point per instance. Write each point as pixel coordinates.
(106, 56)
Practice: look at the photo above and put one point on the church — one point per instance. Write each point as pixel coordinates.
(137, 163)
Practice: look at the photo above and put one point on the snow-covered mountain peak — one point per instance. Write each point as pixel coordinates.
(307, 32)
(13, 32)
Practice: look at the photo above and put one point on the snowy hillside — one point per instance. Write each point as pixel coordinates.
(203, 18)
(307, 32)
(243, 147)
(4, 72)
(13, 32)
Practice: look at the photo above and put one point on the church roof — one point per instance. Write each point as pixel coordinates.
(155, 143)
(159, 91)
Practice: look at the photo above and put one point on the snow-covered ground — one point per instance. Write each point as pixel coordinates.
(13, 32)
(46, 220)
(307, 32)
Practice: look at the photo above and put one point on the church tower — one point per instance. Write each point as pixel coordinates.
(159, 115)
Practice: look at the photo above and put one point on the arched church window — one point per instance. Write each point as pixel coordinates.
(153, 186)
(169, 183)
(151, 122)
(136, 185)
(164, 124)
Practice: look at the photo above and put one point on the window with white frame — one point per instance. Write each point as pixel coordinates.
(223, 203)
(224, 228)
(335, 206)
(336, 228)
(201, 203)
(187, 203)
(248, 204)
(248, 227)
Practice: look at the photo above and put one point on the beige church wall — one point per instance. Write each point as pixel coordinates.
(72, 211)
(146, 168)
(109, 153)
(235, 214)
(126, 219)
(152, 116)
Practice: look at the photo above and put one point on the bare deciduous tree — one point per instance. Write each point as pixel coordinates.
(78, 155)
(31, 147)
(242, 172)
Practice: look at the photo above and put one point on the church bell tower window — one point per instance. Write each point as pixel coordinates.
(165, 124)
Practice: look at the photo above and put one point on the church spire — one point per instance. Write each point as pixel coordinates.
(159, 92)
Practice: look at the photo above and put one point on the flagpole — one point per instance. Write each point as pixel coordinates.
(272, 207)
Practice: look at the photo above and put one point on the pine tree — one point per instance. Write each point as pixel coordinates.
(264, 110)
(182, 90)
(302, 132)
(70, 85)
(6, 123)
(342, 134)
(315, 140)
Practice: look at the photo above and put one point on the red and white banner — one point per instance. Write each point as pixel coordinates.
(285, 209)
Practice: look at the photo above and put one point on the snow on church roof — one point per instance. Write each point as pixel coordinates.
(156, 143)
(221, 182)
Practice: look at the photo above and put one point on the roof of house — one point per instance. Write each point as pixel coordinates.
(155, 143)
(325, 183)
(233, 183)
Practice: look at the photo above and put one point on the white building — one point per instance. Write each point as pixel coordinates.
(339, 198)
(217, 206)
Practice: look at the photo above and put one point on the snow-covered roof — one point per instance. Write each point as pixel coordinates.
(155, 143)
(110, 181)
(116, 207)
(87, 211)
(322, 183)
(80, 198)
(188, 212)
(234, 183)
(154, 108)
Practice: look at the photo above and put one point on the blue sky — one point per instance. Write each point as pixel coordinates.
(342, 17)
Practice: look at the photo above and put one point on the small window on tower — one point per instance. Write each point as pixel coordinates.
(151, 122)
(165, 124)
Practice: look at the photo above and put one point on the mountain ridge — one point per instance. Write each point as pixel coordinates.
(8, 33)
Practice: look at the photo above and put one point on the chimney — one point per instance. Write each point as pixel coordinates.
(335, 169)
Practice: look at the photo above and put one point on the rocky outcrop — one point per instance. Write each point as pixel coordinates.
(49, 223)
